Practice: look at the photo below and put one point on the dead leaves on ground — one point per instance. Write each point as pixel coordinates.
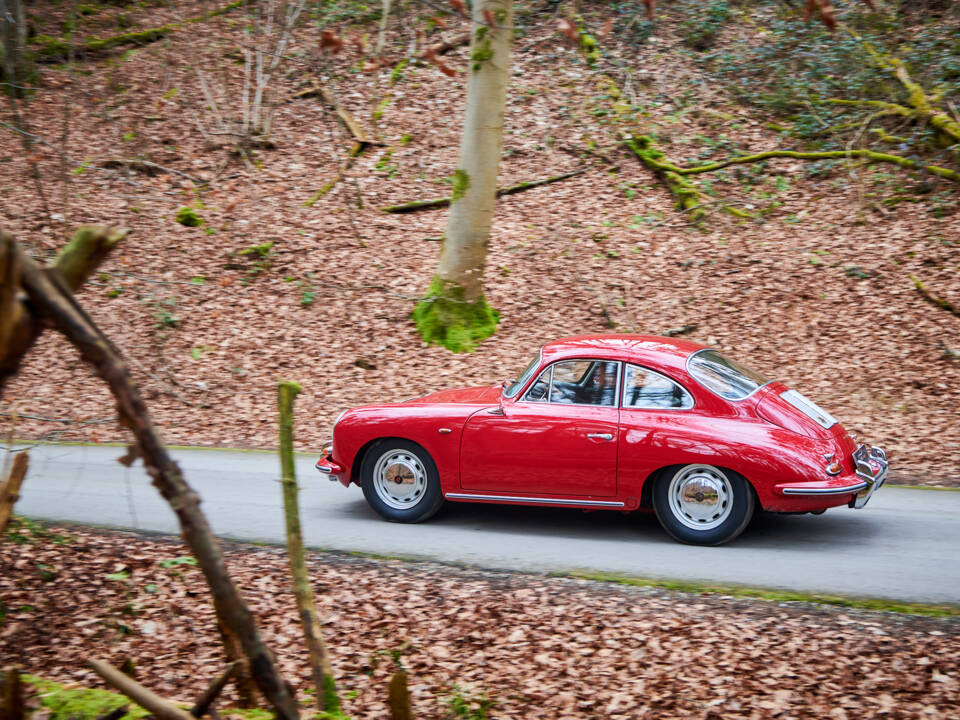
(538, 647)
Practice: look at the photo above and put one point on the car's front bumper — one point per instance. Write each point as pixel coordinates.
(332, 470)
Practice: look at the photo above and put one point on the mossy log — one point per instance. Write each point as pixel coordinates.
(686, 193)
(418, 205)
(923, 108)
(50, 49)
(75, 263)
(871, 156)
(398, 698)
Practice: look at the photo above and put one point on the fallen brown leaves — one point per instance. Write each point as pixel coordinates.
(539, 647)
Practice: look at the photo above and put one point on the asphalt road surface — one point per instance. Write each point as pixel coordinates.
(904, 545)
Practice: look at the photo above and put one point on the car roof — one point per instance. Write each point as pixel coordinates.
(642, 349)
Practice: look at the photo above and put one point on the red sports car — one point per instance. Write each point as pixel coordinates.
(619, 422)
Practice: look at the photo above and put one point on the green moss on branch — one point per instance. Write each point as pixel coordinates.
(50, 49)
(445, 317)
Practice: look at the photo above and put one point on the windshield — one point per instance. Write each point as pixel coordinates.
(726, 378)
(514, 387)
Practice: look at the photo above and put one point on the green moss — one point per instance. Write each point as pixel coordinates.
(461, 183)
(331, 701)
(188, 217)
(77, 703)
(771, 595)
(445, 318)
(481, 53)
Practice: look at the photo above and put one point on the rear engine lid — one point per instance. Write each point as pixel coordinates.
(792, 411)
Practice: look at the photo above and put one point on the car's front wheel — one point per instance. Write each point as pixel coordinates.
(400, 481)
(702, 504)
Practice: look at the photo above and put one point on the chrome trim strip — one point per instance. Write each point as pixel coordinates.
(546, 501)
(824, 491)
(324, 470)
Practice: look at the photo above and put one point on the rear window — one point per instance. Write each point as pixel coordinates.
(725, 377)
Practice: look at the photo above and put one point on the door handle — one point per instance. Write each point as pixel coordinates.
(600, 436)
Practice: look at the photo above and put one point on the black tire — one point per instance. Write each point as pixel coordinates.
(414, 495)
(710, 505)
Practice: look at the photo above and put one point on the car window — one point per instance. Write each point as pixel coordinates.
(725, 377)
(584, 382)
(515, 387)
(541, 386)
(644, 388)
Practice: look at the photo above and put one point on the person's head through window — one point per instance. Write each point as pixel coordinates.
(605, 383)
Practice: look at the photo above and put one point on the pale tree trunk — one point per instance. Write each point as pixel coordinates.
(455, 313)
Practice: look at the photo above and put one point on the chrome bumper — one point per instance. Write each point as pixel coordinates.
(871, 467)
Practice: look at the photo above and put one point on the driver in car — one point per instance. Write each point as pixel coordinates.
(604, 386)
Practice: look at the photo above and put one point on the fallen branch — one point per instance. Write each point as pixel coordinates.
(10, 489)
(203, 703)
(418, 205)
(147, 168)
(81, 256)
(933, 299)
(349, 122)
(871, 156)
(445, 46)
(52, 302)
(50, 49)
(685, 192)
(161, 708)
(326, 692)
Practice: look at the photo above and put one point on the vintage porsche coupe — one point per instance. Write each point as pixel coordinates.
(617, 422)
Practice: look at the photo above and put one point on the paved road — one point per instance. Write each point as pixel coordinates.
(903, 546)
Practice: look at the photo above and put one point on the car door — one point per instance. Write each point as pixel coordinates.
(658, 423)
(559, 439)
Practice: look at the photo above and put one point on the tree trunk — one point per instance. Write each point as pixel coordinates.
(52, 302)
(10, 489)
(455, 313)
(18, 68)
(321, 670)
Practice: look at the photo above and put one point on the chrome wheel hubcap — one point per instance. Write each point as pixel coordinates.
(399, 479)
(701, 497)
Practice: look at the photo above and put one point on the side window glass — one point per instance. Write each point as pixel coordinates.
(644, 388)
(541, 386)
(584, 382)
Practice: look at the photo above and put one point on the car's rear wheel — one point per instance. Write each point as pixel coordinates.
(702, 504)
(400, 481)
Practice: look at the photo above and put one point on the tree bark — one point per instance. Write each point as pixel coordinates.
(17, 68)
(320, 667)
(464, 254)
(455, 313)
(10, 489)
(11, 701)
(399, 697)
(75, 263)
(203, 703)
(52, 301)
(160, 707)
(9, 282)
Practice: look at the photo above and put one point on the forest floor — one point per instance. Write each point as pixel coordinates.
(534, 646)
(815, 291)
